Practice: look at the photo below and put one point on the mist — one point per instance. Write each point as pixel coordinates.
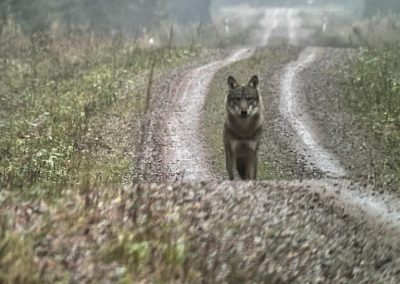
(210, 22)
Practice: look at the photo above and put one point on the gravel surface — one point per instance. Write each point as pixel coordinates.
(313, 134)
(337, 130)
(291, 109)
(164, 98)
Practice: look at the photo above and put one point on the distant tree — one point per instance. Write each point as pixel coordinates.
(32, 15)
(145, 14)
(129, 16)
(185, 11)
(372, 7)
(4, 11)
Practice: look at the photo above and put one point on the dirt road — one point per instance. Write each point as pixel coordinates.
(185, 154)
(384, 208)
(173, 148)
(297, 117)
(347, 213)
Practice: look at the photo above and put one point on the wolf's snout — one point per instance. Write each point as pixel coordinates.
(244, 113)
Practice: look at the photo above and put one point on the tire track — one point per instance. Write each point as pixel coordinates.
(356, 199)
(300, 122)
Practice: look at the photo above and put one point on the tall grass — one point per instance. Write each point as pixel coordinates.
(371, 84)
(55, 95)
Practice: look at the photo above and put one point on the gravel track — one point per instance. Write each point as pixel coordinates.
(350, 217)
(298, 118)
(382, 208)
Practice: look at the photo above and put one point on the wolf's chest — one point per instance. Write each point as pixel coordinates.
(243, 145)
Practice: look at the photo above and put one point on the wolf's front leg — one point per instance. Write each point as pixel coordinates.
(229, 163)
(251, 170)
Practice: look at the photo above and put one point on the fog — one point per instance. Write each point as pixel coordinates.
(211, 22)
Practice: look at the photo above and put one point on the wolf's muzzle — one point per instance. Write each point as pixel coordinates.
(244, 113)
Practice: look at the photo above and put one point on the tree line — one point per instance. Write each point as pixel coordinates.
(128, 16)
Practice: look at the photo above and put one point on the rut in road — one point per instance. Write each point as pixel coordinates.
(297, 118)
(358, 200)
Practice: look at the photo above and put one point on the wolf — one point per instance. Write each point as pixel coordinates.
(243, 128)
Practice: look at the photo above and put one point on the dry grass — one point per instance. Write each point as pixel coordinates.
(71, 106)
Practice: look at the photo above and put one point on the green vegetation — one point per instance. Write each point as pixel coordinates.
(63, 103)
(273, 164)
(371, 90)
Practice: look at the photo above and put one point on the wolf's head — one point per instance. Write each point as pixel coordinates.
(243, 101)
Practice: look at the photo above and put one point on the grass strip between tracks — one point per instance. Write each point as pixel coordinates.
(274, 162)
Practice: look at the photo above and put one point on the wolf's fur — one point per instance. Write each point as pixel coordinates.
(243, 128)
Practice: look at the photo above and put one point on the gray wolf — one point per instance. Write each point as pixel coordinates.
(243, 128)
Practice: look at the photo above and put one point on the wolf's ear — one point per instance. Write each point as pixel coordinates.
(254, 82)
(232, 83)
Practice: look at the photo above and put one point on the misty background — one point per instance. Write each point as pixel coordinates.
(138, 17)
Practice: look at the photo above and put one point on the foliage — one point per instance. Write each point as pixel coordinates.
(61, 101)
(371, 83)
